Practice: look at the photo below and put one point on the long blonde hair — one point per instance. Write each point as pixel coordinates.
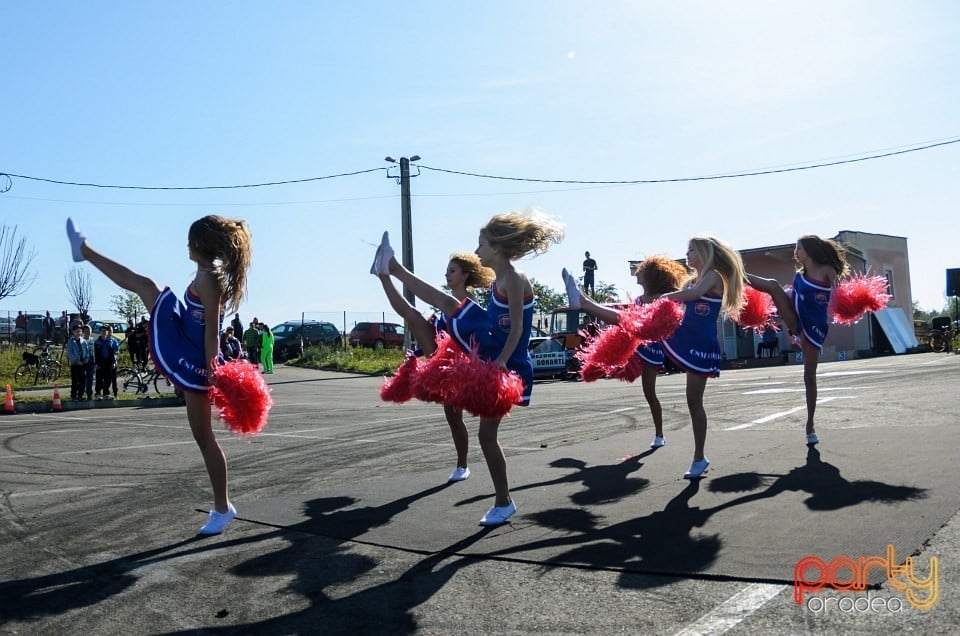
(515, 234)
(227, 243)
(718, 256)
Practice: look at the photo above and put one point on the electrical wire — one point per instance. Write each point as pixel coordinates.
(729, 175)
(221, 187)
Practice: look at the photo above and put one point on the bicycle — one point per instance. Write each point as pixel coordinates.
(41, 364)
(136, 380)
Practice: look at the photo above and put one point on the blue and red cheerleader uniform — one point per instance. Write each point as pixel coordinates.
(694, 346)
(177, 331)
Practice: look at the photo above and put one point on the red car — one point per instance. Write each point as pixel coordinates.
(378, 335)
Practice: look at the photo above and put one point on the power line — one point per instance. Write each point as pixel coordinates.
(6, 181)
(220, 187)
(729, 175)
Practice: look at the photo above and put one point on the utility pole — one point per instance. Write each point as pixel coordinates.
(406, 226)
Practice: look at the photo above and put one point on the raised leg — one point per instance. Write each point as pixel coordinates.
(423, 331)
(780, 299)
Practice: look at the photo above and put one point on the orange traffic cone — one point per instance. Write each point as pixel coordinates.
(8, 406)
(57, 405)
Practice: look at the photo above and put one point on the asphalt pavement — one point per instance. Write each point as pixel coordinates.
(99, 509)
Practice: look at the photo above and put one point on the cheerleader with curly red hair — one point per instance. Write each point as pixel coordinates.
(657, 275)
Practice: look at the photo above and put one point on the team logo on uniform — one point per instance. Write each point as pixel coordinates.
(198, 316)
(504, 322)
(822, 298)
(702, 309)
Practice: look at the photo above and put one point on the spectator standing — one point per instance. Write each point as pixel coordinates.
(251, 342)
(589, 267)
(90, 366)
(49, 324)
(133, 343)
(237, 324)
(77, 357)
(143, 340)
(63, 324)
(106, 349)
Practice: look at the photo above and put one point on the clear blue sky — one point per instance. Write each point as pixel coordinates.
(200, 94)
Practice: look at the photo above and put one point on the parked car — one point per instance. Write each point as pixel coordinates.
(378, 335)
(35, 332)
(119, 328)
(290, 338)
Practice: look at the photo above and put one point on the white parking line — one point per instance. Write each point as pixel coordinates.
(733, 611)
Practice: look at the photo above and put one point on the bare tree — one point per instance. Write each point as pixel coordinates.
(81, 290)
(15, 261)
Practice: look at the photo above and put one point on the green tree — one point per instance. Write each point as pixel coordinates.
(127, 305)
(605, 293)
(545, 300)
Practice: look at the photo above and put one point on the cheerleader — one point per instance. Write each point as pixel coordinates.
(184, 336)
(821, 262)
(717, 284)
(658, 275)
(502, 331)
(464, 272)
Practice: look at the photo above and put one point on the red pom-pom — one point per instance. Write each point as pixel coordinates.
(241, 396)
(630, 371)
(610, 349)
(591, 371)
(435, 381)
(758, 310)
(484, 388)
(652, 321)
(857, 295)
(399, 388)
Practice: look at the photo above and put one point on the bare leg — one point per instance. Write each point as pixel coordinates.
(811, 357)
(496, 461)
(780, 299)
(123, 276)
(198, 414)
(461, 436)
(648, 380)
(423, 290)
(423, 331)
(698, 416)
(606, 314)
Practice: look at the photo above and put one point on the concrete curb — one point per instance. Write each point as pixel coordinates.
(47, 407)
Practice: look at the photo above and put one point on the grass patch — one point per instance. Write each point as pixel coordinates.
(352, 359)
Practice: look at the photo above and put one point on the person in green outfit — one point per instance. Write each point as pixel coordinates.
(266, 349)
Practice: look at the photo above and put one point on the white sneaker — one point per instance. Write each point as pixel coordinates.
(658, 442)
(461, 473)
(812, 439)
(384, 254)
(217, 522)
(573, 293)
(76, 240)
(498, 516)
(697, 469)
